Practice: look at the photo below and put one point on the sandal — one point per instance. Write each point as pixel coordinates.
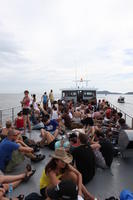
(38, 158)
(20, 197)
(29, 169)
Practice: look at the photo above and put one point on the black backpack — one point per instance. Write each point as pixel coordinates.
(34, 196)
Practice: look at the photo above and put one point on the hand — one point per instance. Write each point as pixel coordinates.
(30, 149)
(2, 190)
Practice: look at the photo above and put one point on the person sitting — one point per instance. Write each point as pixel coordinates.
(8, 146)
(59, 168)
(49, 126)
(84, 158)
(15, 180)
(19, 121)
(106, 148)
(6, 129)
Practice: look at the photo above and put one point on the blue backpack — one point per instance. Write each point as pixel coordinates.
(126, 195)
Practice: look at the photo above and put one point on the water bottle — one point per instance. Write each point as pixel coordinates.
(10, 191)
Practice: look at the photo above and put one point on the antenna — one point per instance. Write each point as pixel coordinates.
(81, 81)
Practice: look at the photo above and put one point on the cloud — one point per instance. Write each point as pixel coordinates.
(44, 44)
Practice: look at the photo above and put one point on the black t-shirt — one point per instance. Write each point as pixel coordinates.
(85, 161)
(107, 151)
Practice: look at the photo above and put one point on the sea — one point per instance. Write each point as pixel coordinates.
(8, 101)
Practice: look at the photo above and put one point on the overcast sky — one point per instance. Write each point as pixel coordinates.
(46, 44)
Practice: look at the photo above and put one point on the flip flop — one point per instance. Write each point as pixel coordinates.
(28, 177)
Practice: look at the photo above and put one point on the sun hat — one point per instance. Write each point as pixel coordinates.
(61, 154)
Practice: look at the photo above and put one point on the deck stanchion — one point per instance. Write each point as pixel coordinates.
(0, 117)
(125, 117)
(132, 123)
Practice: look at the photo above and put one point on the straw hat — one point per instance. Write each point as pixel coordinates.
(61, 154)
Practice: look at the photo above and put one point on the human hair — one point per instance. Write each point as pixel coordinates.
(20, 114)
(73, 138)
(8, 124)
(99, 134)
(26, 92)
(120, 114)
(46, 118)
(83, 138)
(51, 165)
(121, 121)
(11, 132)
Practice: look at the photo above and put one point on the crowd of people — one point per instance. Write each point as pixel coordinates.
(82, 137)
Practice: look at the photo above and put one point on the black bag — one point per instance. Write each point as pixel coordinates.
(34, 196)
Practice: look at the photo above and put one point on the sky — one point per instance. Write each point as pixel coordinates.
(47, 44)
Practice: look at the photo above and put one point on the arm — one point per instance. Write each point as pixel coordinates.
(53, 179)
(21, 143)
(10, 179)
(25, 149)
(79, 178)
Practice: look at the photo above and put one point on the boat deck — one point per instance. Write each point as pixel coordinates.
(106, 183)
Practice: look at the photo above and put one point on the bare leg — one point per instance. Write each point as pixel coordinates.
(25, 122)
(11, 178)
(28, 121)
(56, 133)
(47, 136)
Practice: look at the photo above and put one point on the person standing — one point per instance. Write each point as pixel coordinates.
(45, 100)
(26, 110)
(51, 97)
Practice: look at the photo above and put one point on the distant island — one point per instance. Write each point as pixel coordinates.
(108, 92)
(130, 93)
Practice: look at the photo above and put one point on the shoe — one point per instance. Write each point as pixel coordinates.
(38, 158)
(30, 171)
(36, 149)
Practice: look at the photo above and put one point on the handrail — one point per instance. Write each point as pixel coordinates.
(8, 113)
(125, 114)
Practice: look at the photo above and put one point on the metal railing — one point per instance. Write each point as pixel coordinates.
(8, 114)
(128, 118)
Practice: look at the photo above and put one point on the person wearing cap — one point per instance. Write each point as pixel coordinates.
(59, 168)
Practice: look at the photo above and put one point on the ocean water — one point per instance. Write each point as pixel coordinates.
(8, 101)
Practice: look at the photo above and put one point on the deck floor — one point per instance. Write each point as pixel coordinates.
(106, 183)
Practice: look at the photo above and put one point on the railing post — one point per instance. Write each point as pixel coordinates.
(12, 114)
(132, 123)
(0, 117)
(125, 117)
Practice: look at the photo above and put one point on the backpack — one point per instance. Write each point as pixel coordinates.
(126, 195)
(34, 196)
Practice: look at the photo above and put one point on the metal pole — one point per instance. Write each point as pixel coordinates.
(0, 117)
(132, 123)
(125, 117)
